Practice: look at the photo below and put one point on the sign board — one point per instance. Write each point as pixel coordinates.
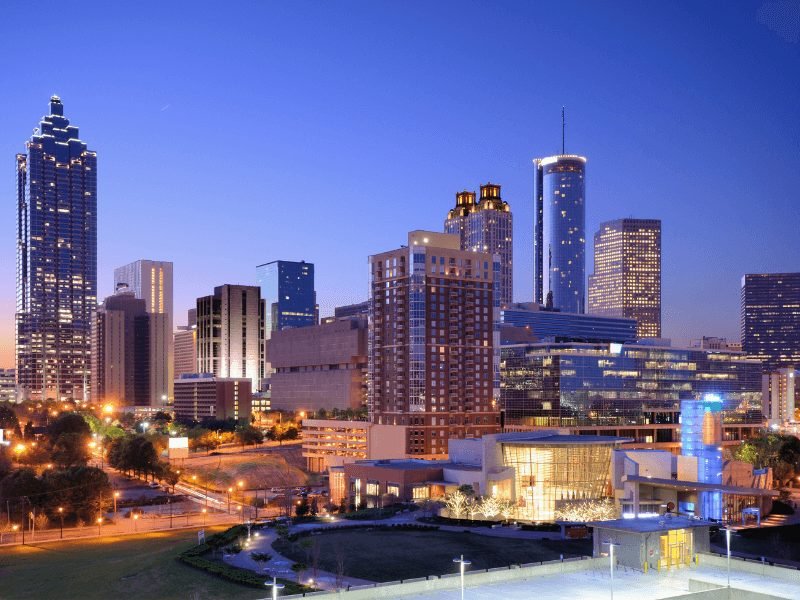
(178, 447)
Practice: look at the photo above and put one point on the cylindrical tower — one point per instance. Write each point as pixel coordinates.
(560, 232)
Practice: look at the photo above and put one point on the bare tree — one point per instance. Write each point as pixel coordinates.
(340, 556)
(316, 548)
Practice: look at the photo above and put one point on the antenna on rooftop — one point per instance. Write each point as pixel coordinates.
(563, 127)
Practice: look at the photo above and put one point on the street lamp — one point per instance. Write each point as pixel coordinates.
(463, 563)
(275, 587)
(611, 546)
(230, 489)
(204, 516)
(728, 544)
(99, 524)
(116, 495)
(14, 528)
(135, 519)
(61, 514)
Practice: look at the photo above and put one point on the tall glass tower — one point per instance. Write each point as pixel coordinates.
(559, 240)
(287, 288)
(56, 260)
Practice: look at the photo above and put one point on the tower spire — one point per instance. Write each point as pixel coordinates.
(563, 127)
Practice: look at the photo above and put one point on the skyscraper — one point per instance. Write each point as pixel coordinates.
(433, 343)
(771, 319)
(486, 227)
(627, 273)
(121, 351)
(56, 260)
(559, 240)
(151, 281)
(185, 346)
(230, 333)
(287, 288)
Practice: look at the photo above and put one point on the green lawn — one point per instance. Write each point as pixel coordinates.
(381, 555)
(119, 567)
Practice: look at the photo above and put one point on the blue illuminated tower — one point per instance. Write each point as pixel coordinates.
(56, 260)
(701, 436)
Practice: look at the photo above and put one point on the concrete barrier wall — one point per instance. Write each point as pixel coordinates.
(735, 593)
(453, 581)
(750, 566)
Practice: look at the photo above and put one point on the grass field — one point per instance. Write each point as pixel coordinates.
(257, 470)
(380, 555)
(120, 567)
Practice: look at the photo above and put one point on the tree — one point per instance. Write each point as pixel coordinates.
(456, 503)
(779, 452)
(68, 423)
(247, 435)
(466, 489)
(490, 506)
(70, 449)
(301, 510)
(9, 421)
(313, 508)
(81, 491)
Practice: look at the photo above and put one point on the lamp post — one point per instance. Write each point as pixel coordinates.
(611, 546)
(116, 495)
(728, 544)
(99, 525)
(462, 565)
(61, 514)
(135, 521)
(14, 528)
(230, 489)
(204, 516)
(275, 587)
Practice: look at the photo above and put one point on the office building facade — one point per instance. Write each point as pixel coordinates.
(771, 319)
(632, 390)
(319, 367)
(287, 288)
(8, 385)
(779, 389)
(56, 260)
(486, 226)
(151, 281)
(121, 352)
(559, 237)
(230, 330)
(203, 397)
(556, 326)
(627, 273)
(433, 365)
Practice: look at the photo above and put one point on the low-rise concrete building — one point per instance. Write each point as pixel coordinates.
(659, 543)
(320, 366)
(648, 483)
(202, 397)
(331, 443)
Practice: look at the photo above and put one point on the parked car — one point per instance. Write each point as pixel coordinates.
(153, 485)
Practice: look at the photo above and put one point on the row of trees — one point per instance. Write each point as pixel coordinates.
(463, 502)
(779, 452)
(138, 455)
(79, 491)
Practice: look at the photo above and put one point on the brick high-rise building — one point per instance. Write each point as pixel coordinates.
(434, 342)
(486, 226)
(627, 273)
(56, 260)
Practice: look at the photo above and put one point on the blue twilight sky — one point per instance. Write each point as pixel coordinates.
(234, 133)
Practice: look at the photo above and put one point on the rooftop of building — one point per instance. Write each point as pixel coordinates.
(678, 484)
(537, 438)
(404, 464)
(651, 524)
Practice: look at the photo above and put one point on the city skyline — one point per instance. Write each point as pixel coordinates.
(636, 134)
